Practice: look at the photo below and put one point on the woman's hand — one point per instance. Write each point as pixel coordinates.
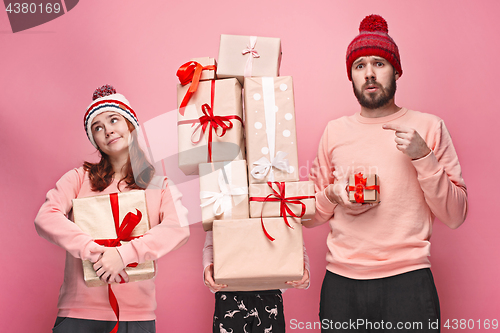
(302, 283)
(109, 267)
(209, 279)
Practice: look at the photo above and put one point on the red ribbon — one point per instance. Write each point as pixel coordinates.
(191, 72)
(123, 232)
(208, 119)
(279, 195)
(360, 187)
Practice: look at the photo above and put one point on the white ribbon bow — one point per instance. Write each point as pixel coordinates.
(222, 200)
(264, 166)
(253, 54)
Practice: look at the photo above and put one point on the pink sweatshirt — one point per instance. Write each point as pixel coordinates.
(136, 299)
(392, 237)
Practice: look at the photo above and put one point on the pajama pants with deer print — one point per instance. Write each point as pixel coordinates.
(249, 312)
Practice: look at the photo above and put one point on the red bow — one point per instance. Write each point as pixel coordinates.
(123, 232)
(208, 119)
(360, 187)
(191, 72)
(279, 195)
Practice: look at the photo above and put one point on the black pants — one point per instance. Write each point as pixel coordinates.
(75, 325)
(402, 303)
(249, 312)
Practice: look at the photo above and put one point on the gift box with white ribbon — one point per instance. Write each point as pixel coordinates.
(271, 139)
(223, 191)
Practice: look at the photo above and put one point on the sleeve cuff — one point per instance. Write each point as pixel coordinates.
(426, 166)
(127, 253)
(324, 204)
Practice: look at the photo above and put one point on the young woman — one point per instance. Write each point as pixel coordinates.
(110, 125)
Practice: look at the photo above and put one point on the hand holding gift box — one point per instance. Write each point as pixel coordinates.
(364, 189)
(111, 220)
(270, 130)
(223, 191)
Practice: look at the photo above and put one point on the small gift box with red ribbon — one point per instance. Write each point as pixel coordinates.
(245, 259)
(210, 126)
(191, 73)
(296, 199)
(111, 220)
(209, 68)
(364, 189)
(223, 191)
(247, 56)
(270, 130)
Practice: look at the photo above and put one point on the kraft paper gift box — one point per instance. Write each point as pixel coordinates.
(95, 216)
(267, 201)
(364, 189)
(208, 74)
(223, 191)
(196, 127)
(245, 259)
(271, 139)
(246, 56)
(191, 73)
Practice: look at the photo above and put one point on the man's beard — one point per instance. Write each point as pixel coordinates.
(375, 102)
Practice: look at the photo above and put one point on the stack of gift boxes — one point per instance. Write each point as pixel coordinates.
(246, 158)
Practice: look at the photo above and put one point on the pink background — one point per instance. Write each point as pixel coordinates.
(48, 73)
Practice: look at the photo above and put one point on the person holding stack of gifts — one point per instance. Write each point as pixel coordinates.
(124, 217)
(254, 247)
(381, 177)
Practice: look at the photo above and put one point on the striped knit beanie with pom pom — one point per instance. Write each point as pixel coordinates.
(105, 99)
(373, 40)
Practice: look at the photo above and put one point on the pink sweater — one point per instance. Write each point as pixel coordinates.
(136, 299)
(392, 237)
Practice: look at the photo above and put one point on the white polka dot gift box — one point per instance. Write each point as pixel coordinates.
(223, 191)
(210, 127)
(271, 139)
(246, 56)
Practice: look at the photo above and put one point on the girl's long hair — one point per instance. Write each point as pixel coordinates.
(101, 173)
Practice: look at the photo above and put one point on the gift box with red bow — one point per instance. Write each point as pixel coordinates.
(210, 126)
(364, 189)
(248, 56)
(111, 220)
(276, 199)
(271, 138)
(223, 191)
(209, 68)
(245, 259)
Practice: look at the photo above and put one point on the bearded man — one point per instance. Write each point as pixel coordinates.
(378, 274)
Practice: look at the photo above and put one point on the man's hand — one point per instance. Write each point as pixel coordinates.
(209, 279)
(408, 141)
(110, 266)
(338, 193)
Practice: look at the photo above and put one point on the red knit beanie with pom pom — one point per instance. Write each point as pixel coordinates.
(373, 40)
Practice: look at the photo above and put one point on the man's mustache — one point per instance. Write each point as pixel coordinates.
(371, 83)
